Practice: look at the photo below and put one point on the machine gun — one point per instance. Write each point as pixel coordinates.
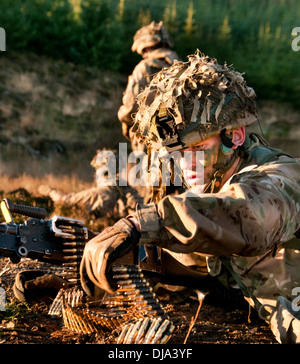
(58, 241)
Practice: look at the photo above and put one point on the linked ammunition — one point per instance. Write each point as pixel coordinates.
(133, 310)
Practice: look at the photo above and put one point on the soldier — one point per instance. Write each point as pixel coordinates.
(241, 228)
(106, 199)
(154, 44)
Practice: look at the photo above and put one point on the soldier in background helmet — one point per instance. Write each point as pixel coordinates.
(106, 198)
(241, 228)
(154, 44)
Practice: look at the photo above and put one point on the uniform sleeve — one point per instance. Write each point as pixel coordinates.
(254, 210)
(136, 82)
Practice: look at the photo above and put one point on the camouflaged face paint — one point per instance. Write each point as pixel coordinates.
(204, 155)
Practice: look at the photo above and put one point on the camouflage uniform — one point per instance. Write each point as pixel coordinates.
(150, 36)
(106, 199)
(249, 216)
(241, 227)
(255, 212)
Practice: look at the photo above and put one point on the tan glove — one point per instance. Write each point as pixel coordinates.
(37, 285)
(100, 252)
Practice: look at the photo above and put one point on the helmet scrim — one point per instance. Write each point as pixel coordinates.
(150, 36)
(192, 101)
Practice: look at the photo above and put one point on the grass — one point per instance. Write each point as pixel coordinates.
(63, 183)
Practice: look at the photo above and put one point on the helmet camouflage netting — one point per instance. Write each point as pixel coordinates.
(150, 36)
(192, 101)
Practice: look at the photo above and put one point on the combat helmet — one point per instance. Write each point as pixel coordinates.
(150, 36)
(192, 101)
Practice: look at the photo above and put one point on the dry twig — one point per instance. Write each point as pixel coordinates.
(5, 269)
(201, 297)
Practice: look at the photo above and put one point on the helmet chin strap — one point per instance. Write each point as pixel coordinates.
(221, 168)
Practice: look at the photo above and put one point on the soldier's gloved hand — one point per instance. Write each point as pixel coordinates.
(37, 285)
(101, 252)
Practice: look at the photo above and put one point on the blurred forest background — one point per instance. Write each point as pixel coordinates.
(253, 35)
(67, 61)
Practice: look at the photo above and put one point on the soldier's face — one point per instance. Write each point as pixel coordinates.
(191, 174)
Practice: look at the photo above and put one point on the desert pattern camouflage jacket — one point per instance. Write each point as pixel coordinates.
(248, 221)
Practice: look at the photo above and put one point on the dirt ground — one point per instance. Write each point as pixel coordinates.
(217, 323)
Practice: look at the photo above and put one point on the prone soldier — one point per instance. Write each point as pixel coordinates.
(240, 228)
(106, 198)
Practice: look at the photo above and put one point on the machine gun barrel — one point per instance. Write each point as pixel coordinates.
(8, 229)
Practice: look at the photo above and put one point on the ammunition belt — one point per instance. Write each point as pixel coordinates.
(133, 313)
(74, 239)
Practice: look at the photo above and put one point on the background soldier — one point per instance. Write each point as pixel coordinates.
(154, 44)
(106, 198)
(240, 230)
